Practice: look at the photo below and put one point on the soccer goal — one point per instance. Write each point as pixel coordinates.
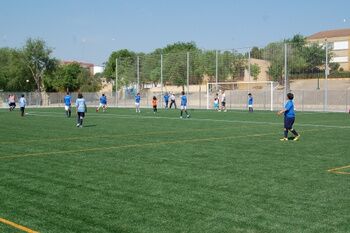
(237, 94)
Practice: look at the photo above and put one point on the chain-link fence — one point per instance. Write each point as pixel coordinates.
(305, 100)
(307, 70)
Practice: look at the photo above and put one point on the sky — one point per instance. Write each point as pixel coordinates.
(90, 30)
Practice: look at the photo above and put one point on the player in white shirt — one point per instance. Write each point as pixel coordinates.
(22, 104)
(81, 109)
(223, 101)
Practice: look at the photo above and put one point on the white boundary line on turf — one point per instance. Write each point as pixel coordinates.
(52, 114)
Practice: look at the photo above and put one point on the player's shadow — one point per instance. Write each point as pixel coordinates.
(87, 126)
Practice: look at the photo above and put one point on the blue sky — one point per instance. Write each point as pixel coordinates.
(89, 30)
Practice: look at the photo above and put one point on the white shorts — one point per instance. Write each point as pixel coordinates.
(250, 106)
(137, 105)
(183, 107)
(102, 105)
(66, 108)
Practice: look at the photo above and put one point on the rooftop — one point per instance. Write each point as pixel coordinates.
(330, 34)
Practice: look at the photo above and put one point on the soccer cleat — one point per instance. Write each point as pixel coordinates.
(78, 125)
(188, 116)
(296, 138)
(284, 139)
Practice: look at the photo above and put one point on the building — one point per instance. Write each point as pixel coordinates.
(93, 69)
(338, 41)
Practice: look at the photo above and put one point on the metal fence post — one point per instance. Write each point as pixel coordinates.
(200, 96)
(188, 73)
(116, 82)
(346, 101)
(207, 95)
(326, 80)
(138, 74)
(216, 69)
(285, 72)
(271, 96)
(161, 80)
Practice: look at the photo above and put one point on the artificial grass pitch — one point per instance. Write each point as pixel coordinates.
(215, 172)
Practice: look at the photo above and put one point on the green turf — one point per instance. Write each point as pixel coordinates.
(215, 172)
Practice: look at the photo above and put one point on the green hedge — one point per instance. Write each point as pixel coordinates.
(337, 74)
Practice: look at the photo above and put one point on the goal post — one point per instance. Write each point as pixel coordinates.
(237, 94)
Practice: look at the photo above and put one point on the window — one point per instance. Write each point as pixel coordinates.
(339, 59)
(339, 45)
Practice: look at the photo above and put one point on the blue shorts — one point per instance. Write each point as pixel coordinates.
(288, 122)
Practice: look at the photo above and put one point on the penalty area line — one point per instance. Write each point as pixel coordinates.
(17, 226)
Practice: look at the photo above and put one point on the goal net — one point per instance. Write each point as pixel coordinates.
(237, 94)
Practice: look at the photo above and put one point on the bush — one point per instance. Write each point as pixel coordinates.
(335, 74)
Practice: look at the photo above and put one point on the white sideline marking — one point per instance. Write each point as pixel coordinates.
(51, 114)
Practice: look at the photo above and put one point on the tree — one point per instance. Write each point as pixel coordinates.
(175, 62)
(254, 70)
(334, 66)
(87, 82)
(126, 67)
(256, 53)
(71, 77)
(297, 41)
(13, 73)
(315, 56)
(36, 57)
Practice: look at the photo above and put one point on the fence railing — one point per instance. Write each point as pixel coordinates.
(305, 100)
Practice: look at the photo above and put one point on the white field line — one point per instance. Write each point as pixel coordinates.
(51, 114)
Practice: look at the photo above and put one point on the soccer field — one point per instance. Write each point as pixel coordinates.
(214, 172)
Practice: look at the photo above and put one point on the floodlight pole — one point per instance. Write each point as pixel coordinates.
(138, 74)
(161, 79)
(285, 72)
(188, 72)
(249, 71)
(249, 64)
(116, 82)
(216, 69)
(325, 108)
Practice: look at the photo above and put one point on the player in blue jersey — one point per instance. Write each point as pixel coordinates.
(216, 102)
(67, 105)
(166, 99)
(250, 102)
(137, 102)
(184, 105)
(81, 109)
(103, 103)
(289, 118)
